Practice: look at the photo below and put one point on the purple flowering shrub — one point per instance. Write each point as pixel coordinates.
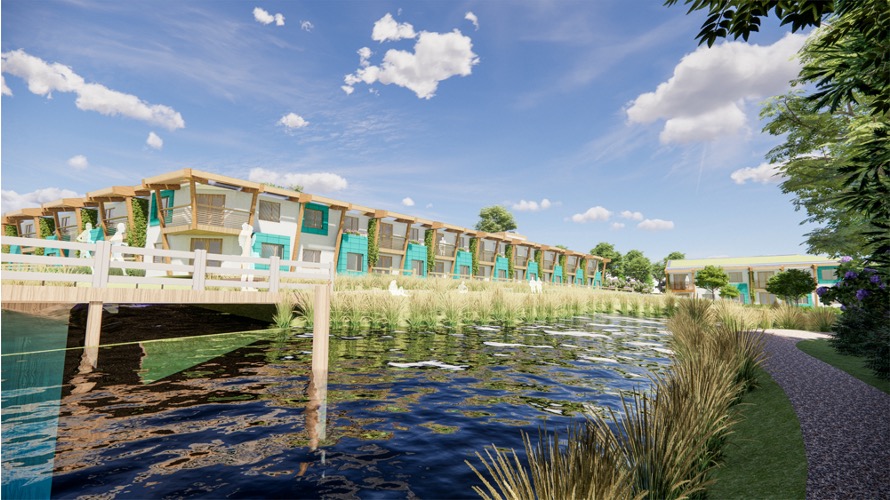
(864, 327)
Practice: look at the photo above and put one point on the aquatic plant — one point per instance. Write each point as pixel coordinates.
(306, 305)
(284, 311)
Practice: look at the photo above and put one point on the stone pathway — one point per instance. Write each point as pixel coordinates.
(845, 422)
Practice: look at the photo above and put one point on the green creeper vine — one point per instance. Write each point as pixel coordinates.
(430, 250)
(562, 263)
(582, 265)
(136, 234)
(9, 230)
(88, 215)
(508, 249)
(539, 258)
(474, 245)
(373, 251)
(47, 228)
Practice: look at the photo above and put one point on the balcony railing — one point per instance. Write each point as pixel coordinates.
(392, 242)
(521, 261)
(548, 264)
(444, 249)
(231, 218)
(112, 223)
(486, 255)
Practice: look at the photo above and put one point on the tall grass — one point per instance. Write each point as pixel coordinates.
(284, 312)
(821, 319)
(789, 317)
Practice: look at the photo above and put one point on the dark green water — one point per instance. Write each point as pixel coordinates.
(240, 416)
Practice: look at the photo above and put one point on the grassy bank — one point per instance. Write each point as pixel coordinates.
(765, 456)
(854, 365)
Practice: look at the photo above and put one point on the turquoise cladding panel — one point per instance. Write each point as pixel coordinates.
(463, 259)
(272, 239)
(532, 269)
(821, 281)
(415, 252)
(152, 211)
(501, 263)
(325, 213)
(598, 278)
(557, 273)
(579, 277)
(743, 289)
(353, 243)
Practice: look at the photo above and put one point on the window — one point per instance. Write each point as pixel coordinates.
(210, 209)
(109, 213)
(415, 234)
(465, 271)
(65, 221)
(270, 211)
(313, 218)
(419, 267)
(440, 267)
(355, 262)
(762, 277)
(311, 255)
(28, 229)
(828, 274)
(271, 250)
(350, 224)
(518, 274)
(384, 261)
(211, 200)
(737, 276)
(211, 245)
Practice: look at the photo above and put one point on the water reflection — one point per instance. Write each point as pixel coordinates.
(396, 415)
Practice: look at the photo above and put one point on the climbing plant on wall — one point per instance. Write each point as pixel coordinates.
(47, 228)
(474, 245)
(562, 263)
(539, 258)
(88, 215)
(582, 265)
(9, 230)
(136, 234)
(508, 250)
(430, 250)
(372, 243)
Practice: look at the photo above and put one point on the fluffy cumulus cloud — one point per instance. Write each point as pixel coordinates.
(617, 225)
(656, 225)
(264, 17)
(318, 182)
(532, 206)
(706, 96)
(627, 214)
(765, 173)
(5, 90)
(78, 162)
(44, 79)
(154, 141)
(592, 214)
(387, 29)
(292, 121)
(12, 201)
(436, 57)
(473, 19)
(408, 202)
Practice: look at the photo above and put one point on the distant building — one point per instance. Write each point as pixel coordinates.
(189, 209)
(750, 275)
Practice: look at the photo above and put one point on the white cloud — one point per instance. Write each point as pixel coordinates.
(627, 214)
(473, 19)
(78, 162)
(306, 26)
(292, 121)
(264, 17)
(706, 95)
(436, 57)
(12, 201)
(617, 225)
(592, 214)
(386, 28)
(408, 202)
(346, 88)
(765, 173)
(318, 182)
(154, 141)
(429, 205)
(44, 79)
(5, 90)
(656, 225)
(531, 206)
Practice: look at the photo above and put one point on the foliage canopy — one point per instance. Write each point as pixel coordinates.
(495, 219)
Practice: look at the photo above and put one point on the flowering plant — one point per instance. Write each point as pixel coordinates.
(860, 287)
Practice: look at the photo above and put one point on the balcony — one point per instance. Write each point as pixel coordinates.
(521, 260)
(111, 224)
(389, 242)
(486, 256)
(548, 264)
(220, 219)
(444, 249)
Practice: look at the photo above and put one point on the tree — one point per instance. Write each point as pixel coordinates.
(729, 292)
(659, 267)
(791, 285)
(607, 251)
(711, 278)
(495, 219)
(637, 266)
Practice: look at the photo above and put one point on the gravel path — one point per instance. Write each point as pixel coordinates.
(845, 422)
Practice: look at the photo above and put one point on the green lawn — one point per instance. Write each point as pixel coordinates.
(765, 457)
(854, 365)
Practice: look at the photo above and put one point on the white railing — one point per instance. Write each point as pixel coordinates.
(89, 264)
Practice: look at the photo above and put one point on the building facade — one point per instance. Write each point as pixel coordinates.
(191, 209)
(751, 274)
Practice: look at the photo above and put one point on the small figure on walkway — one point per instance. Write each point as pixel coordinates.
(247, 239)
(117, 240)
(86, 237)
(396, 290)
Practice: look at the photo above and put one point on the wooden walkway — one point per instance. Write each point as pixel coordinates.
(83, 273)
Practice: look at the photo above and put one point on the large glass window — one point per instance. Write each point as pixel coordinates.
(211, 245)
(355, 262)
(465, 271)
(418, 266)
(311, 255)
(313, 218)
(271, 250)
(270, 211)
(350, 224)
(737, 276)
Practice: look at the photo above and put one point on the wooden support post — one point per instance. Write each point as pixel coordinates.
(339, 237)
(295, 251)
(58, 229)
(454, 268)
(94, 329)
(252, 216)
(193, 193)
(321, 328)
(102, 221)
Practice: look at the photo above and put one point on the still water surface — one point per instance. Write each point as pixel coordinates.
(240, 416)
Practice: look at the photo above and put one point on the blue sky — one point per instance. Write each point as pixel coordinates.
(590, 121)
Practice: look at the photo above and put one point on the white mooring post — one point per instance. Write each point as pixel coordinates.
(199, 275)
(321, 329)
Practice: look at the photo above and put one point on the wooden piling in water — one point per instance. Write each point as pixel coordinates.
(321, 328)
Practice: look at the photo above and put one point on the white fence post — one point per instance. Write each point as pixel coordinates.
(101, 259)
(274, 273)
(331, 277)
(199, 275)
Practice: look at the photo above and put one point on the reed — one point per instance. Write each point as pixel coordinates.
(305, 303)
(284, 312)
(355, 311)
(789, 317)
(453, 309)
(821, 319)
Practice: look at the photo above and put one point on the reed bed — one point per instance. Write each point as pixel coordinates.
(664, 443)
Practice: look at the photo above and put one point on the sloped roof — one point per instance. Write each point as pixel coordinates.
(745, 262)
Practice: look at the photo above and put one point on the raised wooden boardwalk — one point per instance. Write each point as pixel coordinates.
(81, 273)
